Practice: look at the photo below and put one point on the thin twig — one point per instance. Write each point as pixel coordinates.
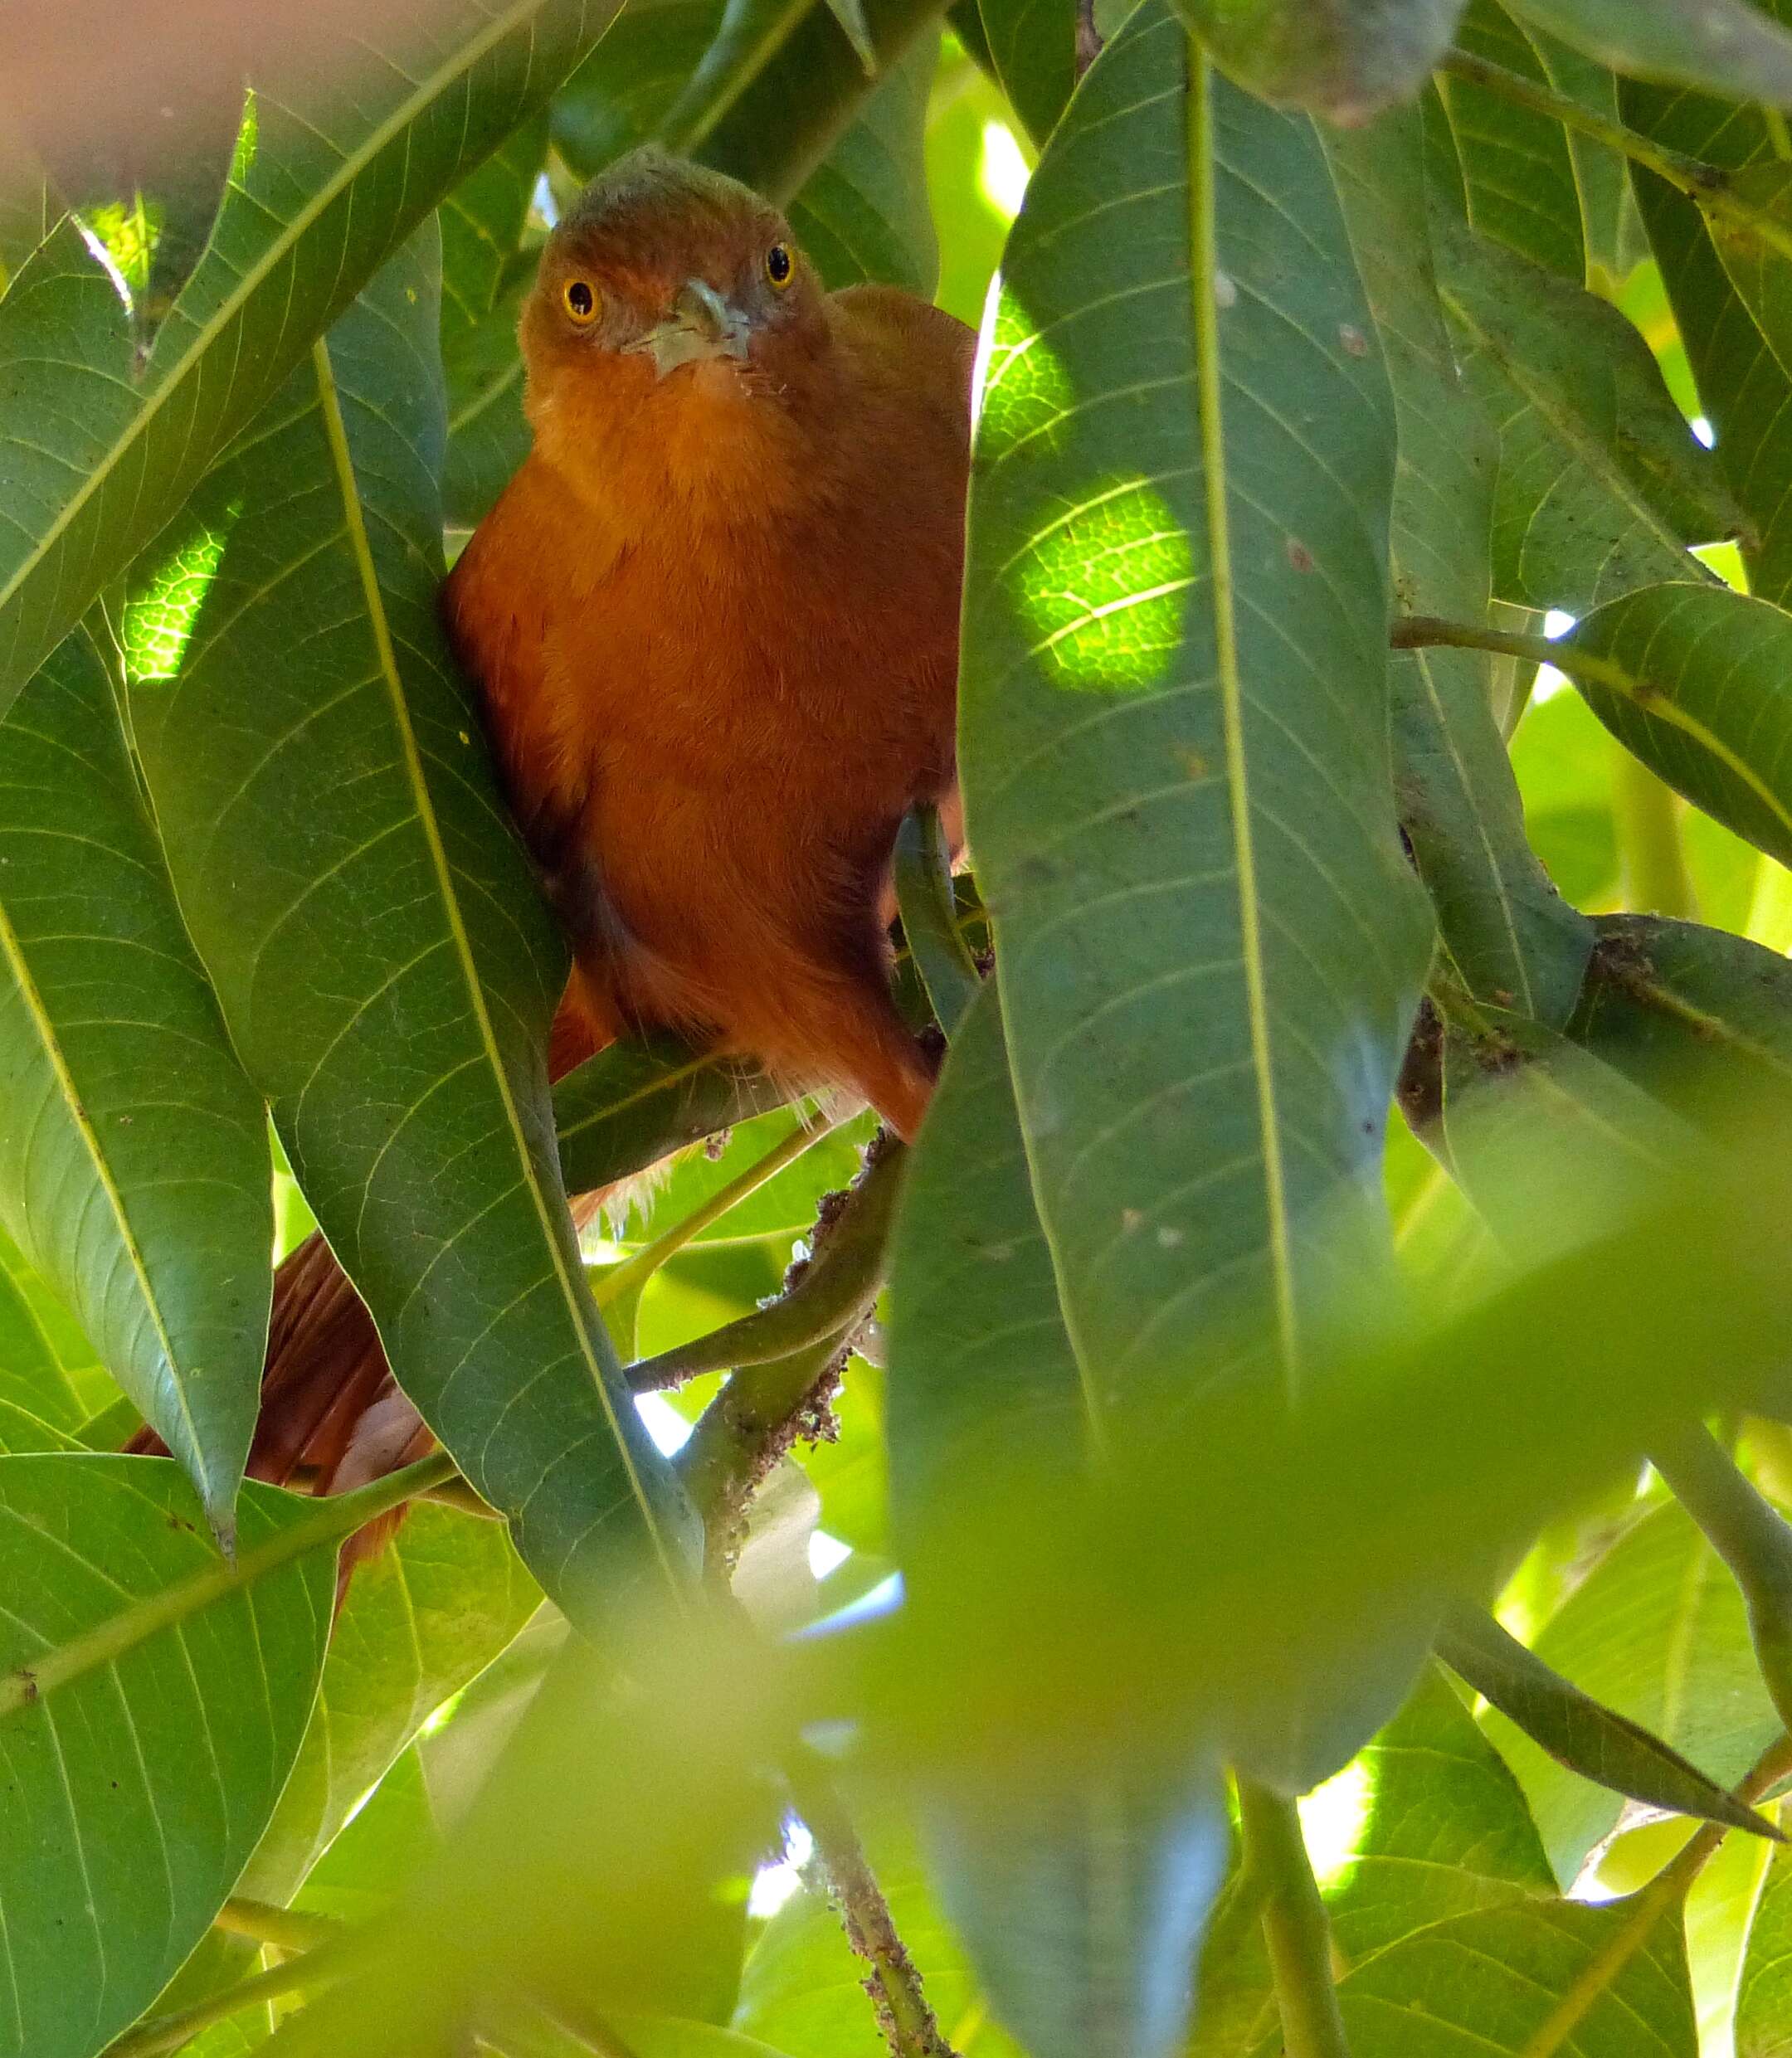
(833, 1291)
(1710, 185)
(335, 1517)
(168, 2032)
(907, 2021)
(288, 1929)
(1691, 175)
(1294, 1923)
(636, 1271)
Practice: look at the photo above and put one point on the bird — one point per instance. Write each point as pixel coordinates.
(711, 623)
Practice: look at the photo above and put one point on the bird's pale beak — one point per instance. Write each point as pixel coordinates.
(701, 325)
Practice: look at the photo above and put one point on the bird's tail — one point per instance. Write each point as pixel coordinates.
(332, 1417)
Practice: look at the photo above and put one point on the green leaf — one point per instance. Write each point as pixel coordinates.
(1742, 385)
(21, 1433)
(637, 1102)
(1602, 177)
(1725, 47)
(853, 182)
(138, 1776)
(408, 1084)
(1489, 1983)
(1601, 483)
(133, 1152)
(850, 14)
(1692, 679)
(1595, 1741)
(1699, 1019)
(1080, 1889)
(1174, 709)
(1657, 1633)
(324, 190)
(1083, 1889)
(1764, 1991)
(422, 1617)
(781, 84)
(46, 1365)
(1517, 170)
(485, 273)
(784, 1205)
(863, 213)
(1032, 45)
(1509, 933)
(1445, 1830)
(1348, 59)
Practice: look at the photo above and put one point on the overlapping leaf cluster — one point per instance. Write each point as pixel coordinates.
(1355, 1165)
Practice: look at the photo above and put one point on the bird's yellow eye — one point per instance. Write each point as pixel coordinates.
(780, 267)
(579, 298)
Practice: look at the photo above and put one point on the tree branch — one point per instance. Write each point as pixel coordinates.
(1294, 1923)
(766, 1408)
(287, 1929)
(1650, 1902)
(894, 1985)
(636, 1271)
(830, 1294)
(169, 2032)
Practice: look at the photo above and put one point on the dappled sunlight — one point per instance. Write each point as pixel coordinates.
(162, 612)
(1104, 591)
(1334, 1816)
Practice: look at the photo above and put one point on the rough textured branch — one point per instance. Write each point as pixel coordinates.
(828, 1295)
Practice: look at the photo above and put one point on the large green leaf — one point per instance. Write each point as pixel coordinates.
(1490, 1983)
(47, 1364)
(1657, 1632)
(1032, 45)
(382, 960)
(1742, 385)
(1601, 484)
(1693, 680)
(1701, 1019)
(1517, 171)
(144, 1754)
(1081, 1888)
(637, 1102)
(1346, 58)
(22, 1432)
(133, 1152)
(1764, 1990)
(1725, 46)
(1592, 1740)
(862, 213)
(1509, 933)
(422, 1619)
(1439, 1830)
(1445, 1830)
(858, 200)
(1174, 715)
(485, 272)
(328, 182)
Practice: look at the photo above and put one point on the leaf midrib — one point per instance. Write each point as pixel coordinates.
(1204, 270)
(342, 464)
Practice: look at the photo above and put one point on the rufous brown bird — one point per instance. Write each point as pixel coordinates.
(713, 620)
